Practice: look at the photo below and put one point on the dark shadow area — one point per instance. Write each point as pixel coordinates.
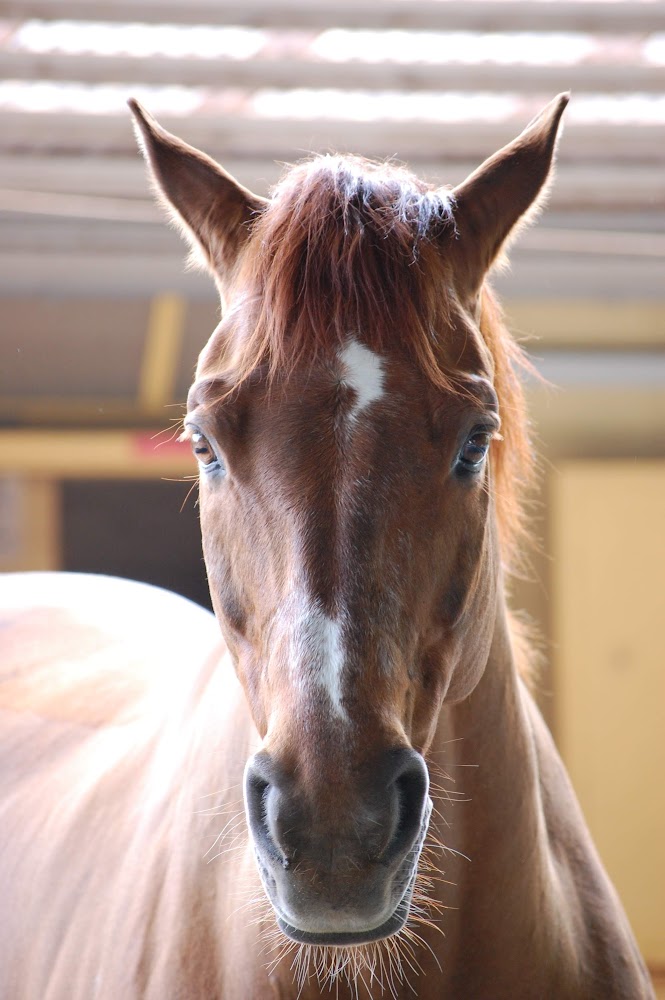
(135, 529)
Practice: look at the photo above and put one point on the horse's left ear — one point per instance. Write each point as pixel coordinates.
(493, 199)
(212, 208)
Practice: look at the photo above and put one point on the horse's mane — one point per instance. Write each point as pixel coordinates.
(348, 245)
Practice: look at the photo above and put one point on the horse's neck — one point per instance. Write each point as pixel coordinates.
(531, 905)
(484, 767)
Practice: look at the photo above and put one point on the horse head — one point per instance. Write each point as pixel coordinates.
(357, 422)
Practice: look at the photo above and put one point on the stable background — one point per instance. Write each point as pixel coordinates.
(100, 323)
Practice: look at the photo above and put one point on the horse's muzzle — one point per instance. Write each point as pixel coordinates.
(339, 865)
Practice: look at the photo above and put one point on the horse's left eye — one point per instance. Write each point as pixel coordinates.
(474, 451)
(203, 452)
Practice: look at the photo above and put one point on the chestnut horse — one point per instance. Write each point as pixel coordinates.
(354, 795)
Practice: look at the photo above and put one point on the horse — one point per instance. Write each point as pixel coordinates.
(339, 784)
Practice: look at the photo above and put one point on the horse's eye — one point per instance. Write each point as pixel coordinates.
(474, 451)
(203, 452)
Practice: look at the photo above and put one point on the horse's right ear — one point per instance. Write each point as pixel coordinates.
(212, 208)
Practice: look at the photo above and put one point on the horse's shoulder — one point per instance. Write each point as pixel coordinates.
(85, 649)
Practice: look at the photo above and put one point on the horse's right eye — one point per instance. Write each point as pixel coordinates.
(203, 452)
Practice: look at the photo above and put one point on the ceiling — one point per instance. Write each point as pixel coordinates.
(438, 84)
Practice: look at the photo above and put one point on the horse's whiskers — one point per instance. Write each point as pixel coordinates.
(189, 493)
(173, 432)
(231, 826)
(385, 965)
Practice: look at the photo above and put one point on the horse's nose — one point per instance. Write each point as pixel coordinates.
(373, 814)
(337, 845)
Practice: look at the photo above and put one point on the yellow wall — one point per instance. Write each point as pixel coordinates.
(609, 671)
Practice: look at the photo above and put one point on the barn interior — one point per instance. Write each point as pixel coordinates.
(101, 322)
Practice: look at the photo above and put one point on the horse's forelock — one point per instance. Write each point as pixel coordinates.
(346, 247)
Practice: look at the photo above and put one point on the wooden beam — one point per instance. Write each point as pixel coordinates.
(78, 206)
(69, 411)
(621, 187)
(588, 420)
(283, 139)
(421, 15)
(257, 74)
(595, 242)
(561, 323)
(98, 454)
(35, 272)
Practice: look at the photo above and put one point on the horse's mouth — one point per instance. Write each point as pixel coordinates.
(405, 877)
(391, 926)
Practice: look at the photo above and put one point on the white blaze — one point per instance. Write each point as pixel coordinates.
(362, 371)
(316, 650)
(316, 641)
(327, 653)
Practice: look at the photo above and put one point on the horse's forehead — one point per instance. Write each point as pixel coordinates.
(371, 376)
(460, 348)
(374, 382)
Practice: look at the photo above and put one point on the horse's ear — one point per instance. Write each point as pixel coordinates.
(500, 193)
(212, 208)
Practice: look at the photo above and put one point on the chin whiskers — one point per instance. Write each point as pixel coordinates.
(391, 967)
(359, 972)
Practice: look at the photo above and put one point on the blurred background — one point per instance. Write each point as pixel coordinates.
(100, 323)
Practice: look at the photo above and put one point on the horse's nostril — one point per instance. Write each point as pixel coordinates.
(405, 801)
(258, 790)
(410, 788)
(268, 812)
(256, 794)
